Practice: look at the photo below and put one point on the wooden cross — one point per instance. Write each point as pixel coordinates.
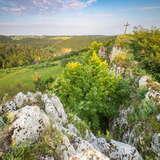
(126, 26)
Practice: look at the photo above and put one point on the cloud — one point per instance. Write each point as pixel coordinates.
(39, 6)
(16, 10)
(142, 8)
(76, 4)
(146, 8)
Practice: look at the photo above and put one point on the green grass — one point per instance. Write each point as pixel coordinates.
(19, 79)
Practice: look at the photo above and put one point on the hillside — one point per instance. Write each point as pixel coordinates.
(99, 103)
(26, 50)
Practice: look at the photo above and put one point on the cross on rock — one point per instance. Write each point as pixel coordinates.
(126, 26)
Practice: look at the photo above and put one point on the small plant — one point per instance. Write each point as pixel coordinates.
(123, 59)
(95, 46)
(18, 153)
(145, 108)
(142, 92)
(41, 84)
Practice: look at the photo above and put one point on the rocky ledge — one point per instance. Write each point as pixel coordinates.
(33, 116)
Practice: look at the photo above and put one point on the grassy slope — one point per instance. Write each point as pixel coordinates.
(21, 78)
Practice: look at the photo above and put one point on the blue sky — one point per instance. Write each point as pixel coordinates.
(76, 17)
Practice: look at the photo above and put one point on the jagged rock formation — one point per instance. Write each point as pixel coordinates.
(35, 115)
(143, 134)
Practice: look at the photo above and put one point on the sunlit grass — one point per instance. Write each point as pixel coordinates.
(19, 79)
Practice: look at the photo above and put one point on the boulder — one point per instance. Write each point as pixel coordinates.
(54, 109)
(20, 99)
(155, 144)
(34, 114)
(154, 95)
(65, 150)
(29, 124)
(158, 117)
(143, 81)
(8, 106)
(116, 150)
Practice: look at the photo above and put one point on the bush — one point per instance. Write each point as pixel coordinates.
(91, 90)
(123, 59)
(141, 112)
(95, 46)
(41, 84)
(144, 44)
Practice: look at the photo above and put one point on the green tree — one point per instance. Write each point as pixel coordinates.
(91, 90)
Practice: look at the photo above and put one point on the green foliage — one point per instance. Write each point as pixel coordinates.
(123, 59)
(78, 123)
(95, 46)
(144, 44)
(18, 153)
(142, 92)
(141, 112)
(46, 145)
(19, 79)
(25, 50)
(41, 84)
(91, 90)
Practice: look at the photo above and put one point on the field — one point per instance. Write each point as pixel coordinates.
(19, 72)
(19, 79)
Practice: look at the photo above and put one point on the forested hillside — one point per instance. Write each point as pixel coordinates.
(100, 101)
(25, 50)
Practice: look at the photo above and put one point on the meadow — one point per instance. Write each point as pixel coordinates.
(19, 79)
(21, 57)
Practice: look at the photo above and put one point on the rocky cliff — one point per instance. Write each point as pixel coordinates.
(39, 122)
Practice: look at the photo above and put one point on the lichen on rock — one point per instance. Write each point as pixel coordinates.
(47, 121)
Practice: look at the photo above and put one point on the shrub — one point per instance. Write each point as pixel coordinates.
(95, 46)
(91, 90)
(144, 44)
(123, 59)
(42, 84)
(141, 112)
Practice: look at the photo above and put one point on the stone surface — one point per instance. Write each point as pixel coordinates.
(123, 151)
(37, 113)
(30, 123)
(102, 52)
(155, 144)
(20, 99)
(45, 158)
(143, 81)
(154, 95)
(158, 117)
(8, 106)
(116, 150)
(55, 110)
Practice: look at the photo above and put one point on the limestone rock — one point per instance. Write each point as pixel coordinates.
(35, 113)
(20, 99)
(29, 124)
(154, 95)
(115, 51)
(102, 52)
(158, 117)
(8, 106)
(143, 81)
(45, 158)
(55, 110)
(116, 150)
(123, 151)
(156, 144)
(65, 150)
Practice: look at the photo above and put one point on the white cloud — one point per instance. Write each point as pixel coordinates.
(40, 6)
(145, 8)
(16, 10)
